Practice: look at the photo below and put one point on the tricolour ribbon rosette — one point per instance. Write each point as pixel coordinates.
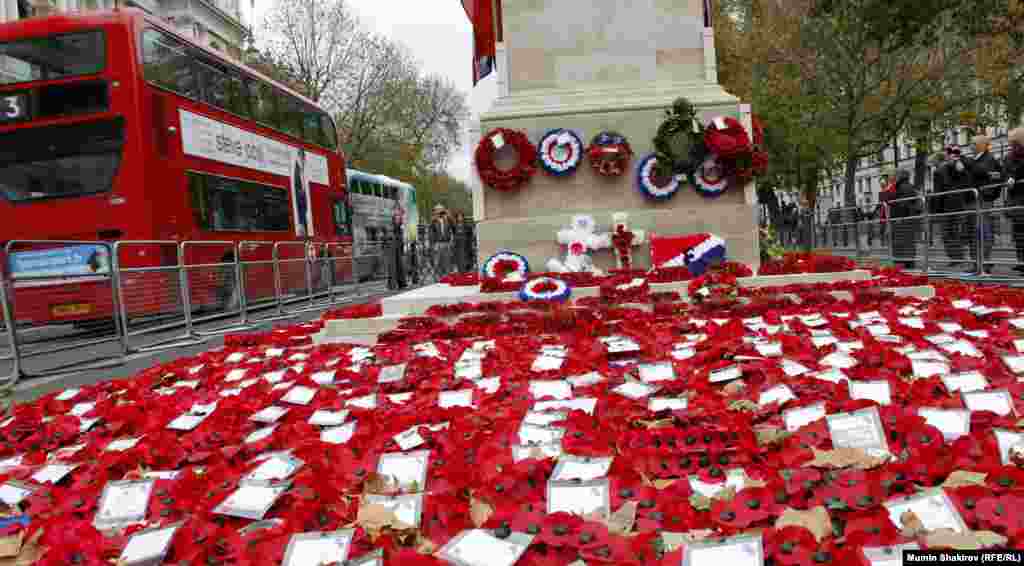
(547, 289)
(506, 265)
(560, 152)
(647, 181)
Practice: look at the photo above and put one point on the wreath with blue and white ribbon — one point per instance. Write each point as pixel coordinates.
(545, 289)
(645, 179)
(711, 178)
(560, 152)
(506, 265)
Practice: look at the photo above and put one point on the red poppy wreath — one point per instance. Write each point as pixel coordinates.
(505, 179)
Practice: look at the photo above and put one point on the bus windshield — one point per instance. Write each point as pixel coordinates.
(60, 161)
(52, 57)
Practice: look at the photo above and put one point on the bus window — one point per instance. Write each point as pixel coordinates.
(237, 101)
(290, 115)
(166, 64)
(330, 136)
(342, 218)
(311, 131)
(53, 57)
(223, 204)
(261, 97)
(214, 84)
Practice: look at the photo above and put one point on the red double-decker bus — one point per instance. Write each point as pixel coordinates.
(114, 127)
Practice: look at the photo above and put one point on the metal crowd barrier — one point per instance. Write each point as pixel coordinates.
(966, 228)
(176, 286)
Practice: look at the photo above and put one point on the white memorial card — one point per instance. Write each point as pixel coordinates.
(1014, 364)
(656, 404)
(932, 507)
(123, 503)
(558, 389)
(798, 417)
(260, 434)
(252, 500)
(635, 390)
(408, 508)
(324, 377)
(277, 467)
(839, 360)
(571, 467)
(965, 382)
(929, 368)
(585, 404)
(1007, 439)
(270, 414)
(299, 395)
(878, 391)
(738, 551)
(997, 401)
(778, 394)
(586, 380)
(68, 394)
(122, 444)
(407, 470)
(13, 493)
(328, 418)
(725, 374)
(391, 374)
(953, 423)
(478, 547)
(316, 548)
(579, 498)
(460, 398)
(53, 473)
(148, 547)
(338, 434)
(661, 371)
(859, 429)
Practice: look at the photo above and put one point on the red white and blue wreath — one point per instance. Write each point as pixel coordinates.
(651, 184)
(506, 265)
(546, 289)
(710, 178)
(560, 152)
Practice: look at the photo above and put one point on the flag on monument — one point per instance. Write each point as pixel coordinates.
(481, 15)
(693, 251)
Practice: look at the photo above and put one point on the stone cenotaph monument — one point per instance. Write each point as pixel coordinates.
(605, 65)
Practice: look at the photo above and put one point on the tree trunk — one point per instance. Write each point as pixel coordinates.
(1015, 103)
(849, 191)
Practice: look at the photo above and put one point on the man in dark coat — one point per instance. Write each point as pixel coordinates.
(959, 221)
(904, 210)
(1013, 172)
(441, 235)
(986, 176)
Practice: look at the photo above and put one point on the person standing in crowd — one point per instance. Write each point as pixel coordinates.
(463, 243)
(396, 265)
(1013, 172)
(904, 226)
(985, 175)
(959, 226)
(441, 233)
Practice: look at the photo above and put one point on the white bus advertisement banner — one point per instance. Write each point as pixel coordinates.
(210, 139)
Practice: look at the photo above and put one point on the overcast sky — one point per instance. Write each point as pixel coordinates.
(437, 32)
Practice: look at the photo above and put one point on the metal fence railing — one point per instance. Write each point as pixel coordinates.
(971, 230)
(147, 296)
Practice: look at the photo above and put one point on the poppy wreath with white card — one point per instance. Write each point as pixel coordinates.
(560, 152)
(713, 287)
(505, 179)
(609, 154)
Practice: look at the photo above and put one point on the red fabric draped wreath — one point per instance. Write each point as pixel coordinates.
(511, 179)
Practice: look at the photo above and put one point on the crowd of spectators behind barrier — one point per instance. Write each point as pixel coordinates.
(446, 245)
(952, 205)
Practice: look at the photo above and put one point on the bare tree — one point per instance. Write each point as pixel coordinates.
(366, 101)
(316, 41)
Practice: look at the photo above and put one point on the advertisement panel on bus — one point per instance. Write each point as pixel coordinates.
(83, 259)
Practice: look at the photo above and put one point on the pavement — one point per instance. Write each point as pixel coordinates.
(95, 356)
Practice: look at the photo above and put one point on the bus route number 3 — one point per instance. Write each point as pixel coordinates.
(13, 107)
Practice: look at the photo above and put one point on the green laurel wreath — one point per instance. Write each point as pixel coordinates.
(679, 149)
